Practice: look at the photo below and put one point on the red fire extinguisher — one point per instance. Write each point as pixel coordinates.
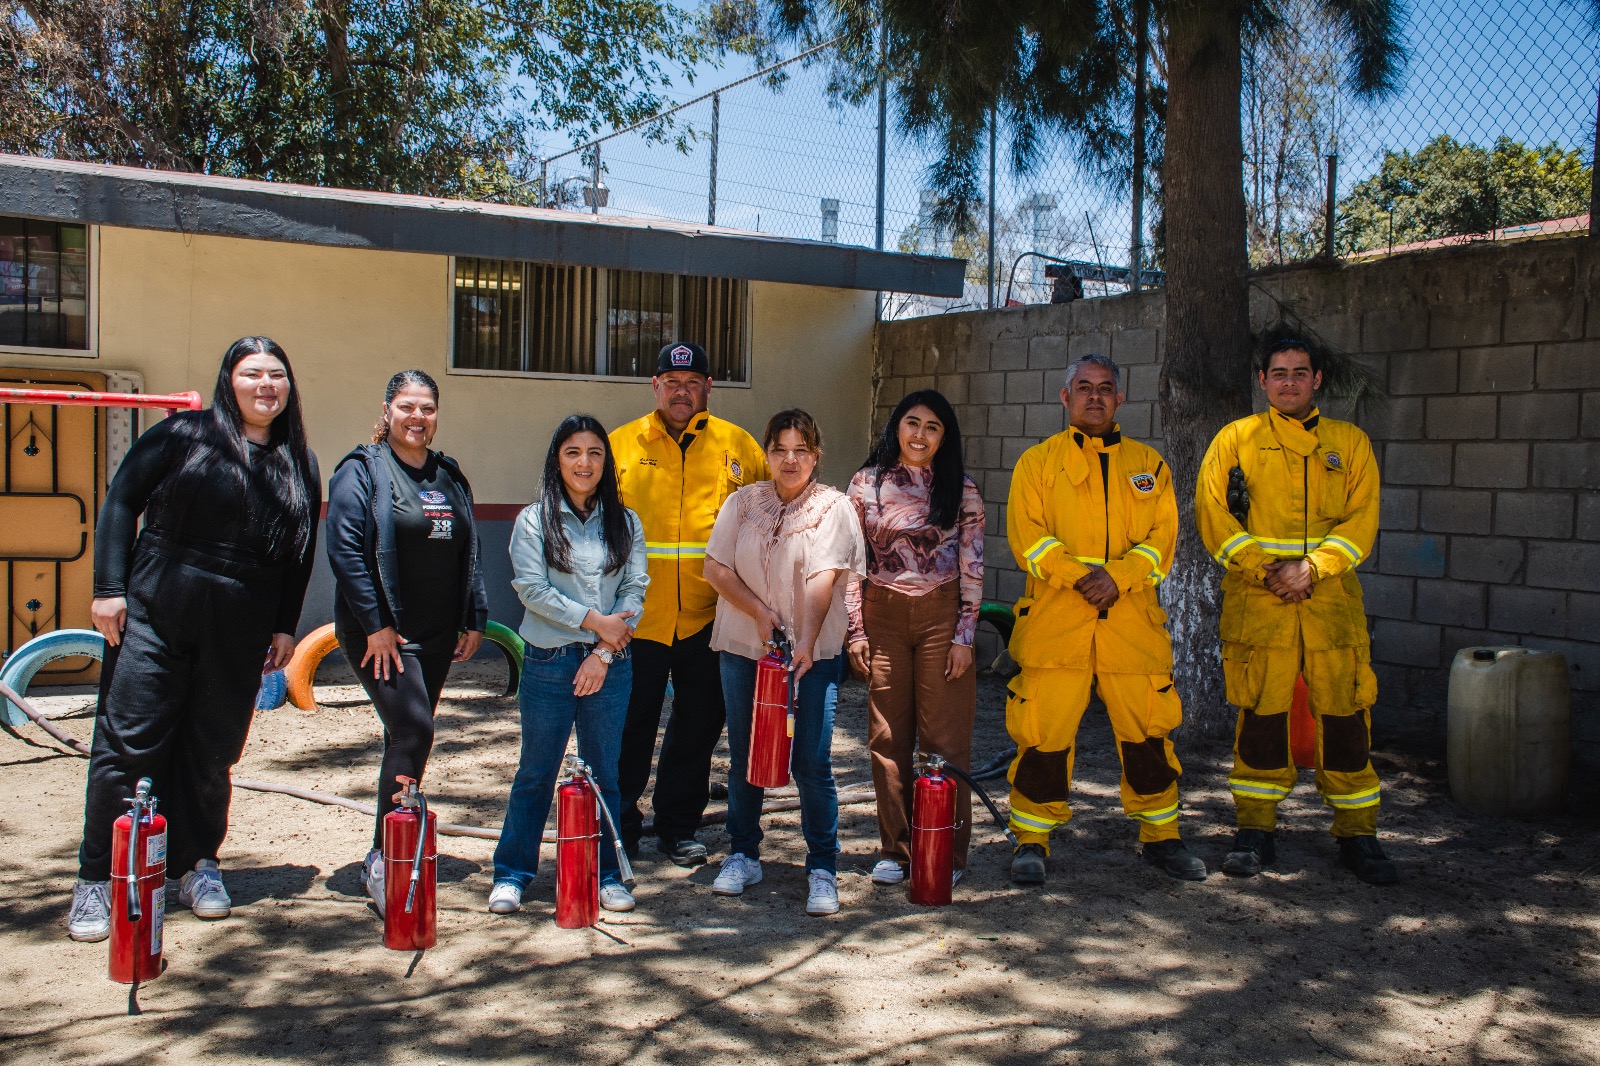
(933, 831)
(410, 859)
(138, 889)
(578, 811)
(772, 718)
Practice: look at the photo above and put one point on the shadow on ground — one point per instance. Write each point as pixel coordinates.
(1488, 952)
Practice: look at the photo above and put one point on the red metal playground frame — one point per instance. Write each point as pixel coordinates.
(177, 401)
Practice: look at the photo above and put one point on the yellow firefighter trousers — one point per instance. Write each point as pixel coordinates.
(1042, 716)
(1342, 688)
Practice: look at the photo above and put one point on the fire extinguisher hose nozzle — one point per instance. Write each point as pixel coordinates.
(422, 845)
(977, 790)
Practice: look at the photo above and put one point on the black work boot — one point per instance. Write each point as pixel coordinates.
(1252, 849)
(1366, 858)
(1027, 864)
(1172, 858)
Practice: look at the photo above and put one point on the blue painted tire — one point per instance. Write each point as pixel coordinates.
(274, 692)
(39, 652)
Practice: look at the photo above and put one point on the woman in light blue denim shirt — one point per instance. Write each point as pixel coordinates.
(578, 566)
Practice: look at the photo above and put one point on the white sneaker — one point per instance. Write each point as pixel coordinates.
(506, 898)
(201, 891)
(955, 877)
(372, 877)
(888, 872)
(614, 896)
(89, 920)
(824, 895)
(737, 874)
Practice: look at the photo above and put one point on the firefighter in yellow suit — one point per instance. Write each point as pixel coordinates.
(675, 467)
(1092, 519)
(1288, 502)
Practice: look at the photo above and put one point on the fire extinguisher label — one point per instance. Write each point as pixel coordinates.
(155, 849)
(158, 907)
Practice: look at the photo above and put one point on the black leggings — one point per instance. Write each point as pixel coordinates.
(176, 699)
(405, 705)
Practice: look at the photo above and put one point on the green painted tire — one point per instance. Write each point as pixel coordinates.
(512, 646)
(999, 616)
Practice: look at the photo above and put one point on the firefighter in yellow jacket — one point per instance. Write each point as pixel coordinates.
(1288, 502)
(1092, 519)
(675, 467)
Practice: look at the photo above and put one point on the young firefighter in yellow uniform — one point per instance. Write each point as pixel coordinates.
(1288, 502)
(1092, 519)
(675, 467)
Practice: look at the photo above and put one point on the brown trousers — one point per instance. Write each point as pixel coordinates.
(914, 708)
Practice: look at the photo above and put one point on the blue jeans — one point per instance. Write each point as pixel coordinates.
(811, 761)
(549, 712)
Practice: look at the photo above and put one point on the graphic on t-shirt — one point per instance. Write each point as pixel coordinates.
(436, 508)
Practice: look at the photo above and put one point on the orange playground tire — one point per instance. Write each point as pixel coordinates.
(302, 668)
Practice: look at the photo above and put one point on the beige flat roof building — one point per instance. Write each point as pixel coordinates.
(131, 279)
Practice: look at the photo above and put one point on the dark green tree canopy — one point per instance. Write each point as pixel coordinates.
(1447, 188)
(443, 97)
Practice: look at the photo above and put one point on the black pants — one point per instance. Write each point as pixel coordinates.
(176, 699)
(405, 705)
(683, 775)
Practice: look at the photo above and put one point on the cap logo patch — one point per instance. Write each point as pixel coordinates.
(1144, 482)
(682, 356)
(1333, 461)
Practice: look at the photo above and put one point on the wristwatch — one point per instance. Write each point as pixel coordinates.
(604, 655)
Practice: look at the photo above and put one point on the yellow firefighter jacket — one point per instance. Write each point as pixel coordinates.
(1313, 490)
(677, 488)
(1075, 500)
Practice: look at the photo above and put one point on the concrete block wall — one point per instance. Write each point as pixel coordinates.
(1490, 444)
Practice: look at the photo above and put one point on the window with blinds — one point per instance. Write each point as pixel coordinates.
(44, 284)
(545, 318)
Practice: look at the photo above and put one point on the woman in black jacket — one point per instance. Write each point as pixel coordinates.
(194, 609)
(410, 599)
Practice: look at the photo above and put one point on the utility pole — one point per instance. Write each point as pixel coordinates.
(716, 124)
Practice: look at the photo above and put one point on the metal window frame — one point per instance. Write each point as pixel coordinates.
(91, 246)
(602, 300)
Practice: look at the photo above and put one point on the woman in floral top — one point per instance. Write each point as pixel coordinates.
(912, 621)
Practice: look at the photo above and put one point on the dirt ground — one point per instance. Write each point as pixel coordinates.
(1486, 953)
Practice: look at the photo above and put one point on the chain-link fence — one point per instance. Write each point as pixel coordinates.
(1489, 136)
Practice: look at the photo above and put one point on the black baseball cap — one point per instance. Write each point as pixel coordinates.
(683, 355)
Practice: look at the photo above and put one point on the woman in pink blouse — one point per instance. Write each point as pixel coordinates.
(780, 556)
(912, 621)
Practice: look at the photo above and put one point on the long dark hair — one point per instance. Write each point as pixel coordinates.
(613, 519)
(380, 430)
(949, 471)
(216, 439)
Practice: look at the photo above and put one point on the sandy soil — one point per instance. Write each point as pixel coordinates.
(1487, 953)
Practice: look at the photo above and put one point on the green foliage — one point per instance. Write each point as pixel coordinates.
(439, 97)
(1447, 188)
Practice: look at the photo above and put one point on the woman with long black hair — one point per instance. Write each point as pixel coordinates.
(194, 609)
(578, 566)
(409, 589)
(914, 617)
